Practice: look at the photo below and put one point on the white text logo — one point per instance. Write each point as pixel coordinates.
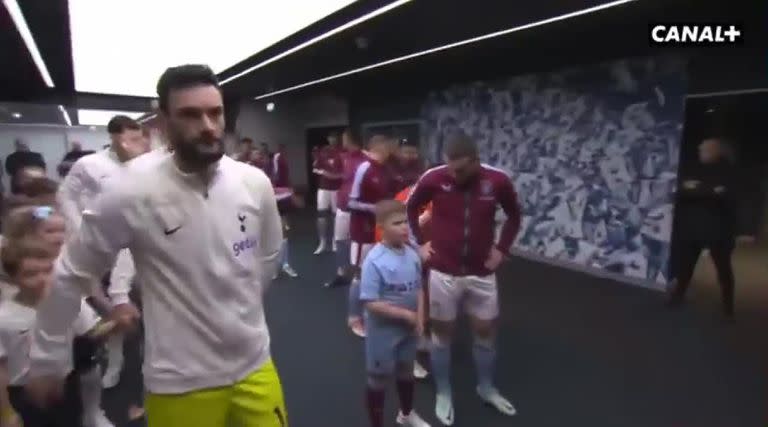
(699, 34)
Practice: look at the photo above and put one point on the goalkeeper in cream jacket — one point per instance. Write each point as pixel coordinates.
(204, 232)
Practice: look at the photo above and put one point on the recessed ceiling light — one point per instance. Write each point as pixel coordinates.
(16, 115)
(271, 107)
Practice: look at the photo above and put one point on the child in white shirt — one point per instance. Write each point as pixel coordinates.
(27, 258)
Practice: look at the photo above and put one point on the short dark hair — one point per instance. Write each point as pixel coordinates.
(183, 77)
(386, 208)
(120, 124)
(461, 147)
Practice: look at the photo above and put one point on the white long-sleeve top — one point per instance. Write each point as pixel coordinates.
(84, 182)
(121, 279)
(88, 178)
(203, 255)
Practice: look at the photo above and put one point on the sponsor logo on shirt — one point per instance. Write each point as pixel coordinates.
(695, 34)
(245, 245)
(446, 187)
(401, 287)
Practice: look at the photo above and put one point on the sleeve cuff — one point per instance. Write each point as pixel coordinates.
(118, 299)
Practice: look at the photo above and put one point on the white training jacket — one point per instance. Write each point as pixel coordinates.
(84, 182)
(88, 178)
(121, 279)
(203, 255)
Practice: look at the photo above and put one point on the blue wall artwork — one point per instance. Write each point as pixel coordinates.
(593, 152)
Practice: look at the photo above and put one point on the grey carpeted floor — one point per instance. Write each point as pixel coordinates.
(574, 351)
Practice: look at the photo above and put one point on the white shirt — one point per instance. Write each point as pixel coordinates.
(87, 179)
(121, 278)
(203, 256)
(84, 182)
(7, 290)
(16, 322)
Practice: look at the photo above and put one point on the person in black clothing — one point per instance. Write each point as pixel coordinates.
(707, 212)
(20, 159)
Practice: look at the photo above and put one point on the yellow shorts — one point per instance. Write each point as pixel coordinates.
(256, 401)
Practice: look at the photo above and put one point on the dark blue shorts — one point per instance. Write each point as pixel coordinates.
(388, 346)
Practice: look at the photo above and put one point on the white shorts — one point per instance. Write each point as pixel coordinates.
(326, 200)
(357, 253)
(341, 226)
(479, 295)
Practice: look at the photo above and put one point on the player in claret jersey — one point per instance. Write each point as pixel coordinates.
(329, 169)
(371, 184)
(352, 156)
(463, 258)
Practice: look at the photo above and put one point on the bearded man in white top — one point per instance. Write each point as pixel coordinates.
(204, 232)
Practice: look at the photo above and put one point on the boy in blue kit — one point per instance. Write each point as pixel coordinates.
(390, 289)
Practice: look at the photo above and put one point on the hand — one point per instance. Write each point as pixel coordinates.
(426, 251)
(412, 318)
(495, 257)
(419, 326)
(425, 217)
(690, 184)
(43, 391)
(719, 189)
(126, 317)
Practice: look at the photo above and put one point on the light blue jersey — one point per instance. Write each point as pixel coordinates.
(393, 276)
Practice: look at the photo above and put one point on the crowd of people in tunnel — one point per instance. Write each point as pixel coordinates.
(180, 242)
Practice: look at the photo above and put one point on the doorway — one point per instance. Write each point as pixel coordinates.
(316, 138)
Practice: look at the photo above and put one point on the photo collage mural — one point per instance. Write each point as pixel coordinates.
(593, 153)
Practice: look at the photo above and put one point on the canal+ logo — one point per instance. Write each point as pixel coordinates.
(667, 34)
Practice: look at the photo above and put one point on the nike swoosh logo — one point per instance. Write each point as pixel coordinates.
(168, 232)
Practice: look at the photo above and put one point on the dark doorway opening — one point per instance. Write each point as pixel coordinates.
(316, 139)
(739, 121)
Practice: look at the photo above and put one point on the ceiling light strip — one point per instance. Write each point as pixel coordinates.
(21, 25)
(65, 114)
(145, 119)
(728, 92)
(450, 46)
(348, 25)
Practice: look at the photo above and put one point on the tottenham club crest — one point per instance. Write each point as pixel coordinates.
(241, 218)
(486, 187)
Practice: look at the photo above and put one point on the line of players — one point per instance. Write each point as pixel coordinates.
(459, 262)
(275, 166)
